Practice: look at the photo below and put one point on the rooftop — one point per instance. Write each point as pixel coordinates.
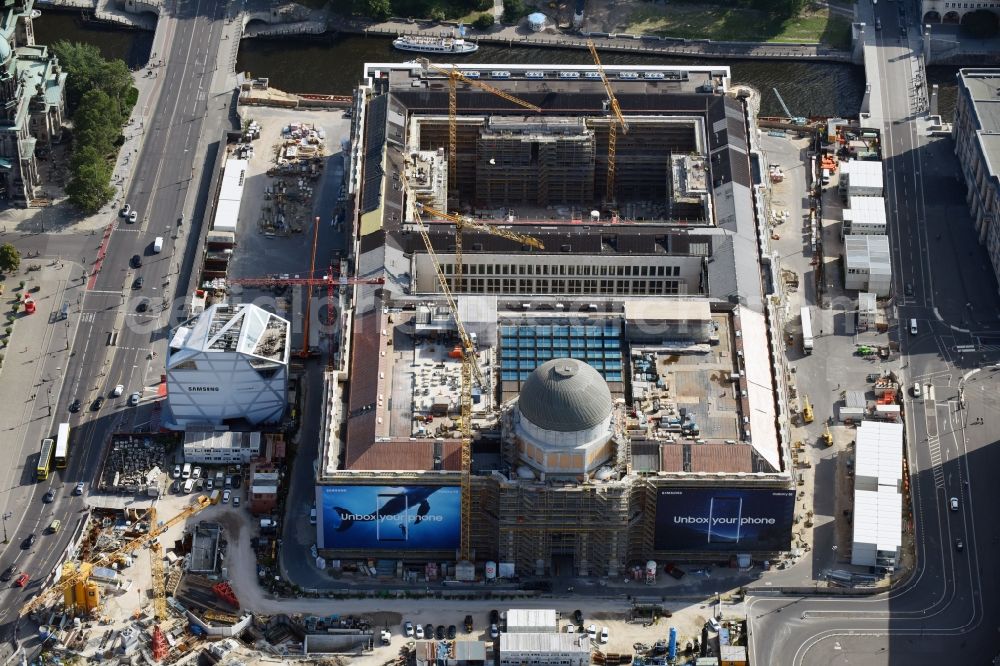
(879, 452)
(245, 328)
(682, 375)
(983, 88)
(544, 642)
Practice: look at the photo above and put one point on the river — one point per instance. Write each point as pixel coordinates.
(334, 65)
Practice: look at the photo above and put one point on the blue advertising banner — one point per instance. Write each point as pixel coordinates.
(724, 519)
(389, 517)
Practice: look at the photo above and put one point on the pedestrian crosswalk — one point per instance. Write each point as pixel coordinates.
(934, 443)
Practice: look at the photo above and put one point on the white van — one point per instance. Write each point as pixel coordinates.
(158, 245)
(188, 486)
(186, 471)
(913, 327)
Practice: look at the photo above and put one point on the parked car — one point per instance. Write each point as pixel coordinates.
(494, 617)
(713, 624)
(468, 624)
(439, 632)
(429, 631)
(604, 634)
(196, 473)
(177, 472)
(420, 632)
(452, 631)
(78, 490)
(494, 631)
(674, 571)
(175, 487)
(578, 616)
(592, 631)
(236, 502)
(8, 573)
(22, 580)
(225, 497)
(407, 628)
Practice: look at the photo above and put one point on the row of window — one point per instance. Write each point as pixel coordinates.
(971, 5)
(611, 287)
(545, 269)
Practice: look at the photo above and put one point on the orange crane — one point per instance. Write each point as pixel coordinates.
(461, 223)
(454, 76)
(609, 193)
(330, 280)
(72, 575)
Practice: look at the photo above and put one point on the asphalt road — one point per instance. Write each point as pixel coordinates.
(946, 612)
(164, 172)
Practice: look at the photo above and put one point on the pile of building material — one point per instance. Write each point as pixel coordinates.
(135, 462)
(299, 157)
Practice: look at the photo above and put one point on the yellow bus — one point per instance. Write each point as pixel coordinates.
(45, 459)
(62, 445)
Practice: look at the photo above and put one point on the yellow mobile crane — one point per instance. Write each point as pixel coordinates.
(78, 575)
(807, 410)
(454, 76)
(609, 194)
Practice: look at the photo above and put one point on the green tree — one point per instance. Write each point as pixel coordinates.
(379, 10)
(483, 22)
(87, 70)
(10, 258)
(513, 10)
(89, 187)
(97, 121)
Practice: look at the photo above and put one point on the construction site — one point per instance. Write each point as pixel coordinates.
(568, 369)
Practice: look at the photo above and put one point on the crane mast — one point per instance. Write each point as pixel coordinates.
(454, 76)
(616, 110)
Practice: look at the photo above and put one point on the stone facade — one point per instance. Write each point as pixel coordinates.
(32, 103)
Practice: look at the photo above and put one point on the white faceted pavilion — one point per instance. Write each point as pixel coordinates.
(229, 362)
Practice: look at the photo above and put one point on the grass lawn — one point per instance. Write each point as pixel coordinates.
(741, 25)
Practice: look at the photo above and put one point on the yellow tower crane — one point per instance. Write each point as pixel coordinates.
(470, 367)
(454, 76)
(609, 193)
(73, 576)
(461, 224)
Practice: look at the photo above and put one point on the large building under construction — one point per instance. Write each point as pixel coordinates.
(629, 408)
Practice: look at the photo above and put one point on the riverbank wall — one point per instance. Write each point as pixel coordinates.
(131, 14)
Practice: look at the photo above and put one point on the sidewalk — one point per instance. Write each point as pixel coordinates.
(33, 370)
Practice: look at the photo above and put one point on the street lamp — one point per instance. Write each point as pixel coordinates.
(6, 515)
